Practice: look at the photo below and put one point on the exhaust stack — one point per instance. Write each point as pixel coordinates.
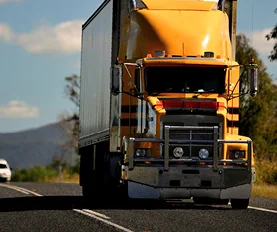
(230, 7)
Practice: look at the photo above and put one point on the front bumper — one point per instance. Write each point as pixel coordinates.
(5, 176)
(187, 182)
(163, 178)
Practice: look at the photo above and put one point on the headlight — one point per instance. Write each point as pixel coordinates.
(237, 154)
(143, 152)
(178, 152)
(203, 153)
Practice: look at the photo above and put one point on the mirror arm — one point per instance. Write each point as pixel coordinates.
(126, 68)
(252, 66)
(234, 88)
(240, 95)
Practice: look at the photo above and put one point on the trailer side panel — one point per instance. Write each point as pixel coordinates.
(95, 76)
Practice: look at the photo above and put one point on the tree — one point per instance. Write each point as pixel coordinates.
(70, 123)
(273, 35)
(258, 115)
(72, 88)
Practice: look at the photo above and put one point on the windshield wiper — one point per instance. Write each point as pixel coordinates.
(201, 92)
(204, 91)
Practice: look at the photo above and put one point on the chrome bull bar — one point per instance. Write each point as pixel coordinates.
(167, 141)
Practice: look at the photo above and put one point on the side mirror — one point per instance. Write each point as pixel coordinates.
(253, 79)
(137, 79)
(138, 86)
(116, 74)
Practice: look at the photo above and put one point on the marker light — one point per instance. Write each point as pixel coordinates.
(160, 53)
(143, 152)
(140, 152)
(237, 154)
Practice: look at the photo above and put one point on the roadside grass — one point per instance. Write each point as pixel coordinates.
(266, 183)
(264, 190)
(266, 172)
(66, 177)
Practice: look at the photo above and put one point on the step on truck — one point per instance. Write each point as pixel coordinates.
(159, 103)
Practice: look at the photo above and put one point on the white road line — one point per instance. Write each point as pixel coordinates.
(19, 189)
(262, 209)
(29, 191)
(14, 188)
(103, 220)
(99, 216)
(96, 214)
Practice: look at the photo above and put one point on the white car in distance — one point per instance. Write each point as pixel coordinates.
(5, 171)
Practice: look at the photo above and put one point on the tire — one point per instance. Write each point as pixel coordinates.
(88, 192)
(239, 203)
(3, 180)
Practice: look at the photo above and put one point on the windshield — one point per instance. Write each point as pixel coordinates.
(185, 79)
(3, 166)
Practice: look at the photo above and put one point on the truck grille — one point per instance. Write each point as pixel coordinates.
(191, 135)
(200, 138)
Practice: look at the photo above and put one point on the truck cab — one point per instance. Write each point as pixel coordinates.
(174, 104)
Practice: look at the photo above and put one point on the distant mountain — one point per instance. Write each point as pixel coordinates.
(33, 147)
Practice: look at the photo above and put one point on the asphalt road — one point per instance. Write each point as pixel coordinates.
(60, 207)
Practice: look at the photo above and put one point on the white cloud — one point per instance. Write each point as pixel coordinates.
(18, 109)
(259, 41)
(6, 33)
(62, 38)
(8, 1)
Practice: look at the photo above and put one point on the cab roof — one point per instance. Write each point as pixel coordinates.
(179, 5)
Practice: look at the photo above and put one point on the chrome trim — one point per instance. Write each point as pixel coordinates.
(137, 190)
(215, 149)
(233, 141)
(166, 147)
(249, 158)
(191, 127)
(166, 141)
(132, 153)
(157, 160)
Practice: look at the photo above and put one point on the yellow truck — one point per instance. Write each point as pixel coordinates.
(159, 103)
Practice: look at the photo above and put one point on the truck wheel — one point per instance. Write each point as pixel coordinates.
(239, 203)
(88, 192)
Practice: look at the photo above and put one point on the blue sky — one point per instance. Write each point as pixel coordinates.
(40, 45)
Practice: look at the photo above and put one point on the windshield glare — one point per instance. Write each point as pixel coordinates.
(185, 79)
